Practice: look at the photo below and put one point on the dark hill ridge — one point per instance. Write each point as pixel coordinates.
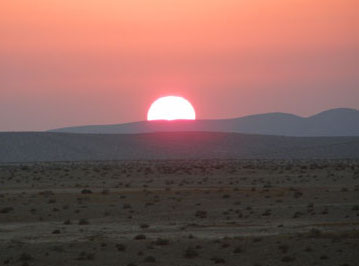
(46, 146)
(335, 122)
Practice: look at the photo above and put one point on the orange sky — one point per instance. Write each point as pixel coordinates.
(74, 62)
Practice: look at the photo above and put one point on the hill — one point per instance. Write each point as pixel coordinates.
(335, 122)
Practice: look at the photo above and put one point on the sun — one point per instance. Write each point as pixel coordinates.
(171, 108)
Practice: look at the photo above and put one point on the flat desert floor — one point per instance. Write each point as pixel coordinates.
(180, 213)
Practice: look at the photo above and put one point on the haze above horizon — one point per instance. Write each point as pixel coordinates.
(104, 62)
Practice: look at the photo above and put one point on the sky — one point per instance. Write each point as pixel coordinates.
(79, 62)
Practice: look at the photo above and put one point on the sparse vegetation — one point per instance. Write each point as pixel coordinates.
(200, 212)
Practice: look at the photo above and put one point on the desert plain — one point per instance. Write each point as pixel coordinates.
(180, 213)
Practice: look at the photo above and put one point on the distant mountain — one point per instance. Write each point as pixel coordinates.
(335, 122)
(45, 146)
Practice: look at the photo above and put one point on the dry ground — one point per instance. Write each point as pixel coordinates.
(201, 212)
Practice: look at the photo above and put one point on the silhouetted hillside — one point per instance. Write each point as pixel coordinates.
(336, 122)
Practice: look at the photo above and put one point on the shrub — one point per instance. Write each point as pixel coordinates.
(126, 206)
(150, 259)
(83, 222)
(218, 260)
(6, 210)
(190, 253)
(144, 226)
(288, 259)
(283, 248)
(237, 250)
(86, 256)
(86, 191)
(121, 247)
(25, 257)
(161, 242)
(201, 214)
(314, 232)
(140, 237)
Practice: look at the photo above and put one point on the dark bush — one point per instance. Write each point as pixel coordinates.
(86, 191)
(190, 253)
(150, 259)
(121, 247)
(83, 222)
(6, 210)
(140, 237)
(218, 260)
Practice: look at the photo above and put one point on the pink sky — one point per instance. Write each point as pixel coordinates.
(76, 62)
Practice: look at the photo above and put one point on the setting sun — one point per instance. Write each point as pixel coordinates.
(171, 108)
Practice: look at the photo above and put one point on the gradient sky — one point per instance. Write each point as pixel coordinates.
(76, 62)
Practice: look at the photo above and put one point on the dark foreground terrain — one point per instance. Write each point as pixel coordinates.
(52, 147)
(198, 212)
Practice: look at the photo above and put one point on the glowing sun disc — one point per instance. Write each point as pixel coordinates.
(171, 108)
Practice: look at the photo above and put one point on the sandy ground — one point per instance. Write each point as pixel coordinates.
(201, 212)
